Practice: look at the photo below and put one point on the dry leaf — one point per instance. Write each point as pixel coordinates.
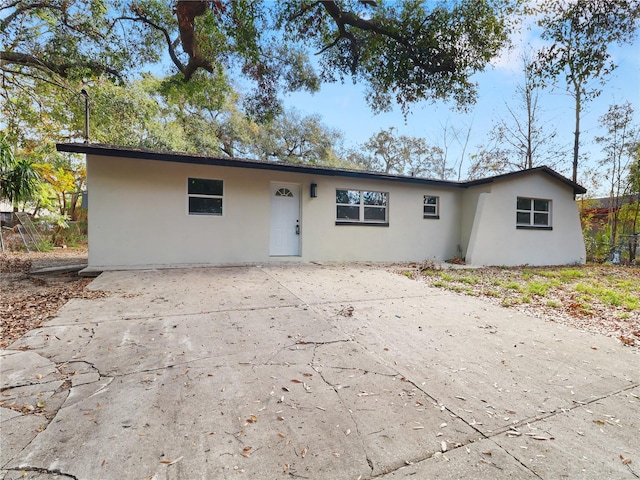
(252, 419)
(286, 389)
(303, 453)
(246, 449)
(38, 376)
(281, 435)
(625, 461)
(295, 380)
(307, 374)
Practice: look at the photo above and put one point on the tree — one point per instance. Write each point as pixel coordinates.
(67, 176)
(403, 155)
(403, 52)
(580, 33)
(294, 138)
(18, 178)
(620, 148)
(519, 141)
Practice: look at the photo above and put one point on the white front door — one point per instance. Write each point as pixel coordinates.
(285, 220)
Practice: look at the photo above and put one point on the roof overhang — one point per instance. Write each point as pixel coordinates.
(577, 188)
(190, 158)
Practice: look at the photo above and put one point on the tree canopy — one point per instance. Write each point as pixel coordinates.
(402, 51)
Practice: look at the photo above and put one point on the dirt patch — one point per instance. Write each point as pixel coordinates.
(29, 300)
(58, 257)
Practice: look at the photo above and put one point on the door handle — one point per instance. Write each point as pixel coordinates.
(297, 229)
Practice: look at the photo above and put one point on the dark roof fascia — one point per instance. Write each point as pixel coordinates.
(577, 189)
(105, 150)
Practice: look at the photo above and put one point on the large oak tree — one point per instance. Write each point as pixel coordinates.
(403, 51)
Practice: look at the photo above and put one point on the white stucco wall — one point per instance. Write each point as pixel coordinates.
(138, 217)
(495, 240)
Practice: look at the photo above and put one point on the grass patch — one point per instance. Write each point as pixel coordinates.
(447, 277)
(569, 274)
(469, 280)
(538, 288)
(514, 286)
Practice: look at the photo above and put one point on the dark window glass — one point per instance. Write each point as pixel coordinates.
(205, 205)
(523, 218)
(429, 209)
(524, 203)
(348, 213)
(374, 214)
(541, 205)
(541, 219)
(203, 186)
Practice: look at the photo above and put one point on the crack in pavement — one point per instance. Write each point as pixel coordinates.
(318, 369)
(42, 470)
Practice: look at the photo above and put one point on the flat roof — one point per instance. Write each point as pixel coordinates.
(192, 158)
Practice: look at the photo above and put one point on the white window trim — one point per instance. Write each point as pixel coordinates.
(531, 225)
(199, 195)
(435, 215)
(361, 206)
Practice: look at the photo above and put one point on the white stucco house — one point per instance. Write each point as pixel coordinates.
(151, 209)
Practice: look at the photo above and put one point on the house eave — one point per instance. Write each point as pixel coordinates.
(189, 158)
(577, 188)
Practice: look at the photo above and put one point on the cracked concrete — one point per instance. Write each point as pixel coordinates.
(311, 372)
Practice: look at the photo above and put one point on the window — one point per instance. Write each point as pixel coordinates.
(205, 196)
(284, 192)
(533, 213)
(431, 207)
(361, 207)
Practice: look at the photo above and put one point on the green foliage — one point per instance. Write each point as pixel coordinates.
(403, 52)
(18, 178)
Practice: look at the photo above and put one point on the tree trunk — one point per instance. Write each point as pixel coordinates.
(576, 136)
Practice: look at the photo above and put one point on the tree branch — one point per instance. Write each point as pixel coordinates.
(170, 44)
(61, 69)
(20, 10)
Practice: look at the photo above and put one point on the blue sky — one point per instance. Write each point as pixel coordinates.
(343, 106)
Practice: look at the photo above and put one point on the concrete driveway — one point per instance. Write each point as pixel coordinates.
(317, 372)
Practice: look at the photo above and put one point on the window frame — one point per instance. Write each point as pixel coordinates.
(531, 212)
(436, 214)
(361, 209)
(206, 196)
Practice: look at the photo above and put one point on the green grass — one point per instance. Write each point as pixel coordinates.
(514, 286)
(579, 290)
(538, 288)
